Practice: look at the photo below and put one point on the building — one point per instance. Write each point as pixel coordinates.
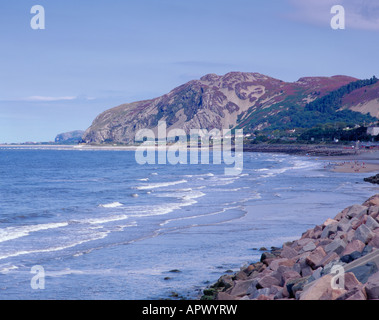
(373, 130)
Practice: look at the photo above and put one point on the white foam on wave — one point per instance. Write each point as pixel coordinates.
(160, 185)
(98, 236)
(8, 269)
(11, 233)
(196, 216)
(187, 199)
(105, 219)
(111, 205)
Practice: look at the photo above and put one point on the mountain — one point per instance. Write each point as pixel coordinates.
(251, 101)
(69, 137)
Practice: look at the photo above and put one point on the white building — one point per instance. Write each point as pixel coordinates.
(373, 131)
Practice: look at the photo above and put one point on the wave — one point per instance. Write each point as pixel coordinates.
(8, 269)
(160, 185)
(105, 220)
(187, 199)
(11, 233)
(111, 205)
(98, 236)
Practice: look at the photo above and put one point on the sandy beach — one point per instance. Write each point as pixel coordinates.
(356, 167)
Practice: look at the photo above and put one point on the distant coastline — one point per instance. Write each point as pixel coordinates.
(337, 152)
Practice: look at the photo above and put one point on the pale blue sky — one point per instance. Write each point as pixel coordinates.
(94, 55)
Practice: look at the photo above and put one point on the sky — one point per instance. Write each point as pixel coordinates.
(95, 55)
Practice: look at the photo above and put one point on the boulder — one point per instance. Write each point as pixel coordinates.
(268, 281)
(322, 289)
(223, 296)
(341, 215)
(373, 201)
(288, 253)
(260, 292)
(364, 272)
(374, 241)
(343, 226)
(302, 242)
(356, 223)
(368, 249)
(294, 285)
(364, 234)
(225, 281)
(307, 234)
(356, 293)
(328, 222)
(263, 297)
(355, 245)
(317, 273)
(267, 255)
(332, 256)
(290, 275)
(356, 211)
(310, 246)
(350, 235)
(240, 288)
(275, 264)
(372, 287)
(374, 211)
(253, 288)
(328, 231)
(315, 257)
(337, 246)
(371, 223)
(350, 281)
(306, 271)
(351, 257)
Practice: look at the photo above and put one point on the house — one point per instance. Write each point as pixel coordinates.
(373, 130)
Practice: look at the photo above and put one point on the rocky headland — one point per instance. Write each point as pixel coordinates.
(373, 179)
(337, 260)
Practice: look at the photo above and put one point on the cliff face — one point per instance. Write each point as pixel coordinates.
(69, 137)
(214, 101)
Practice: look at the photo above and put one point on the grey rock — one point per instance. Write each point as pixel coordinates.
(372, 286)
(240, 287)
(356, 211)
(364, 272)
(264, 291)
(288, 253)
(368, 249)
(337, 246)
(268, 281)
(295, 285)
(310, 246)
(329, 230)
(364, 234)
(267, 255)
(328, 268)
(351, 257)
(253, 287)
(317, 273)
(343, 226)
(371, 223)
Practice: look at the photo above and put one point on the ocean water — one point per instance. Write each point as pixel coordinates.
(103, 227)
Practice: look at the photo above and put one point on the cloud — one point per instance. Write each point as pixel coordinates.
(50, 99)
(47, 99)
(359, 14)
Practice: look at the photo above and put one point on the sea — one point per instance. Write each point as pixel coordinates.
(94, 225)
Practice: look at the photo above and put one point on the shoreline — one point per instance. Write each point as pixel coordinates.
(304, 269)
(336, 152)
